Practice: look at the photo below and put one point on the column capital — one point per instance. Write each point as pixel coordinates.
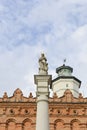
(42, 78)
(42, 82)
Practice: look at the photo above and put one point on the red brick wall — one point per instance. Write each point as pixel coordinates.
(19, 112)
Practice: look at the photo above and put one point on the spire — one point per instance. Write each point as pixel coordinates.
(64, 61)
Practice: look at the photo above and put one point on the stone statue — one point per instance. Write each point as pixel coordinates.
(43, 65)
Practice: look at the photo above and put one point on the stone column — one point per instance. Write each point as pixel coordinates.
(42, 118)
(42, 113)
(42, 80)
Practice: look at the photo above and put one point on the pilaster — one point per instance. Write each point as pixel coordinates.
(67, 126)
(19, 126)
(3, 126)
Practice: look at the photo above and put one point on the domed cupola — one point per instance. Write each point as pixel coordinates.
(65, 81)
(64, 70)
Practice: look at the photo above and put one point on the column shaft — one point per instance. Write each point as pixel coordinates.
(42, 121)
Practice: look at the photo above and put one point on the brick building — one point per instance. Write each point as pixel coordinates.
(67, 107)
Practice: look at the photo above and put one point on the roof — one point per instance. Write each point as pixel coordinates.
(64, 67)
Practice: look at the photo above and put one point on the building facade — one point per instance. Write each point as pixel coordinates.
(67, 107)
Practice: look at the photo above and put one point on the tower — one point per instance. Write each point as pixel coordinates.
(64, 81)
(42, 80)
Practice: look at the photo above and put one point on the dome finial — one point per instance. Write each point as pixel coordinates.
(64, 61)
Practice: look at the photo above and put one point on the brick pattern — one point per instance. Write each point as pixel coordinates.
(66, 113)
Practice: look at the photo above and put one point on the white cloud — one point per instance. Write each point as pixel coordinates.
(17, 68)
(27, 28)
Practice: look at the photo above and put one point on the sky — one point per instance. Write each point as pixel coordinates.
(28, 28)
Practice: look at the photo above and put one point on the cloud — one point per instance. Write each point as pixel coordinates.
(17, 68)
(27, 28)
(32, 21)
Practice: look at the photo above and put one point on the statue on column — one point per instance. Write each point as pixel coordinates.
(43, 65)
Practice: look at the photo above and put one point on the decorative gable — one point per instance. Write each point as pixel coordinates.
(17, 97)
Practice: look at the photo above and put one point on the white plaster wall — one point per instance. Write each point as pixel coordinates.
(62, 84)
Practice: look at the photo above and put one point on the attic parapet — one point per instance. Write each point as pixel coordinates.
(17, 97)
(68, 98)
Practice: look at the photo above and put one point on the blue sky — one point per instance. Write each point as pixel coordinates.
(29, 27)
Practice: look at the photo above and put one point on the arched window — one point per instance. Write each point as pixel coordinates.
(59, 125)
(27, 124)
(11, 125)
(75, 125)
